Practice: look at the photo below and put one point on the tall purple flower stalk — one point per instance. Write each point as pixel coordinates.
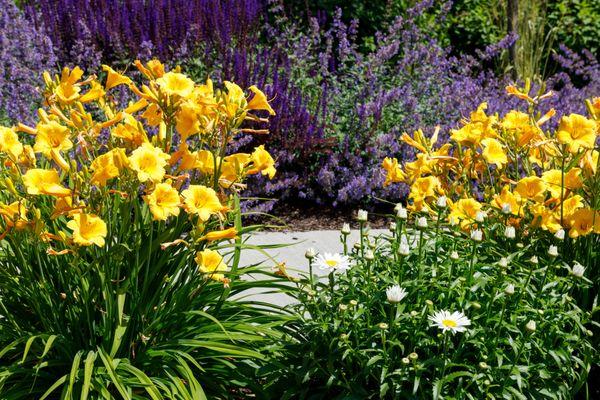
(25, 53)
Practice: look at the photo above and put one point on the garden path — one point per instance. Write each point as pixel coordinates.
(292, 254)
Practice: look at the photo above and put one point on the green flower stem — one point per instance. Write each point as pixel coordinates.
(437, 231)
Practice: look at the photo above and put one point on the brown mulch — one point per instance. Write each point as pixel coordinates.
(310, 218)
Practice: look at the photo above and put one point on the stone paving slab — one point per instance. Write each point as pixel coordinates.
(293, 254)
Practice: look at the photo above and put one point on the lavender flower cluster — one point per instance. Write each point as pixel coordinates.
(25, 53)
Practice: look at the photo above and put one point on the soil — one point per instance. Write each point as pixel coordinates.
(312, 218)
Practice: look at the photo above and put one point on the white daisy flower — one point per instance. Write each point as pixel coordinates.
(453, 322)
(332, 261)
(395, 294)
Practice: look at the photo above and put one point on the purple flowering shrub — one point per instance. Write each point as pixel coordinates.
(25, 53)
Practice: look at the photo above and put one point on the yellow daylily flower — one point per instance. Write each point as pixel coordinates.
(15, 215)
(532, 188)
(211, 263)
(576, 131)
(9, 143)
(426, 187)
(554, 181)
(582, 222)
(52, 136)
(508, 202)
(464, 211)
(202, 201)
(108, 166)
(262, 162)
(88, 229)
(114, 78)
(94, 93)
(164, 202)
(393, 170)
(187, 120)
(493, 152)
(176, 84)
(42, 181)
(259, 101)
(130, 131)
(233, 167)
(149, 162)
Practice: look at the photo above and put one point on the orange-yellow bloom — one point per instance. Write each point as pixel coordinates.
(211, 263)
(262, 162)
(201, 200)
(508, 202)
(131, 131)
(9, 143)
(108, 166)
(15, 215)
(149, 162)
(164, 202)
(493, 152)
(42, 181)
(394, 171)
(532, 188)
(464, 211)
(52, 136)
(554, 180)
(176, 84)
(582, 222)
(88, 229)
(259, 101)
(576, 131)
(114, 78)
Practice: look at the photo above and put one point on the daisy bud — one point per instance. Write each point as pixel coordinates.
(477, 235)
(357, 245)
(476, 305)
(402, 213)
(483, 365)
(310, 253)
(454, 255)
(520, 245)
(345, 229)
(63, 296)
(506, 208)
(553, 251)
(404, 250)
(383, 326)
(413, 313)
(369, 256)
(577, 271)
(421, 222)
(429, 303)
(534, 260)
(395, 294)
(353, 303)
(530, 326)
(343, 307)
(344, 336)
(503, 263)
(480, 216)
(405, 360)
(560, 234)
(362, 215)
(509, 232)
(413, 356)
(392, 227)
(442, 201)
(509, 289)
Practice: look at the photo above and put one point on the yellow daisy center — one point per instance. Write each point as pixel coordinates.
(449, 323)
(332, 263)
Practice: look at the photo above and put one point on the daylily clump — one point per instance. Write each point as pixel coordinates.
(166, 151)
(510, 166)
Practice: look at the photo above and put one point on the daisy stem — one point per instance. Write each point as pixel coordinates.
(467, 292)
(310, 274)
(345, 243)
(512, 366)
(420, 255)
(362, 240)
(437, 231)
(444, 353)
(331, 284)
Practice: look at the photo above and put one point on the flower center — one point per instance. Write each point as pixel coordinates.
(332, 263)
(449, 323)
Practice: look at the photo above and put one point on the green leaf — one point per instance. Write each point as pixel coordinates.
(87, 374)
